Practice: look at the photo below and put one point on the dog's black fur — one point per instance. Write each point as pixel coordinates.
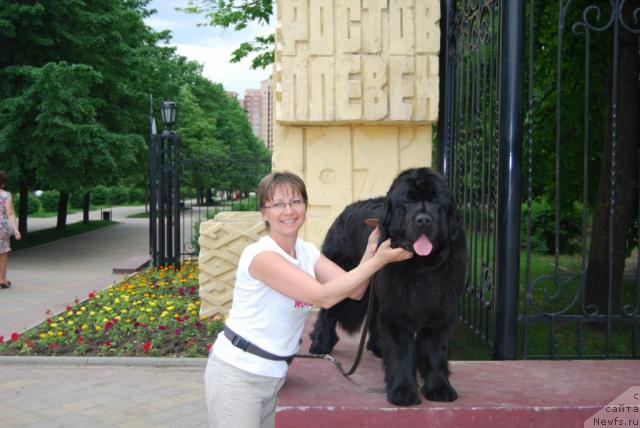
(416, 300)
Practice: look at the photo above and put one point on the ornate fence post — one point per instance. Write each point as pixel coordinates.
(447, 73)
(509, 179)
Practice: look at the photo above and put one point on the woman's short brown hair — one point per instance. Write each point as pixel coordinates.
(4, 177)
(271, 182)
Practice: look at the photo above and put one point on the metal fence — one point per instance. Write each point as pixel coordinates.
(185, 192)
(552, 213)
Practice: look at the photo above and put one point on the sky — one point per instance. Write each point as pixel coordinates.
(209, 46)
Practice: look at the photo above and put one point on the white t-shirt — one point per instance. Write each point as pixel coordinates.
(263, 316)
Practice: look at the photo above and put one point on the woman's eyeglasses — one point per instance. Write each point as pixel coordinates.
(280, 206)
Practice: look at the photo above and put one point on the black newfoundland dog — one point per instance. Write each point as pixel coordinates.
(416, 300)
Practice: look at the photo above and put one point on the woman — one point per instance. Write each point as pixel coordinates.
(7, 225)
(278, 280)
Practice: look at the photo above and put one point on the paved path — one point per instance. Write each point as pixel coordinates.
(96, 392)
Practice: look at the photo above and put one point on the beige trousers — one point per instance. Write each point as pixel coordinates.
(239, 399)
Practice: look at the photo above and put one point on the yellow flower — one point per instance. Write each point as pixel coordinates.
(78, 313)
(84, 327)
(194, 313)
(108, 308)
(51, 333)
(118, 317)
(43, 335)
(54, 324)
(69, 322)
(98, 328)
(60, 318)
(83, 308)
(152, 303)
(92, 313)
(116, 301)
(70, 313)
(123, 311)
(60, 333)
(152, 318)
(170, 308)
(164, 314)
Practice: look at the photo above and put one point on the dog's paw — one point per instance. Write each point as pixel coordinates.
(442, 392)
(404, 396)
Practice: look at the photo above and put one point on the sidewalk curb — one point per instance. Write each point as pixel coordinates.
(104, 361)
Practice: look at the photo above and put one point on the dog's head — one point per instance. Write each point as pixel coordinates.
(420, 213)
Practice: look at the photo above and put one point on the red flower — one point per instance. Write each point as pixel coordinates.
(1, 339)
(80, 339)
(53, 345)
(29, 343)
(107, 344)
(92, 295)
(162, 327)
(69, 308)
(209, 345)
(146, 346)
(15, 336)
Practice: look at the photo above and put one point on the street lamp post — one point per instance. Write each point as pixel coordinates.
(164, 177)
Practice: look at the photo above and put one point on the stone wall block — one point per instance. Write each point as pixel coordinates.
(222, 240)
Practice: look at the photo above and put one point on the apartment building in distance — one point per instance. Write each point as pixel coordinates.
(258, 103)
(252, 105)
(266, 117)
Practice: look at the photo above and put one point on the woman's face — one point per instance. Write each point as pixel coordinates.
(285, 211)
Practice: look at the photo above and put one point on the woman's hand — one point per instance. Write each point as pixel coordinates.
(390, 255)
(17, 235)
(372, 243)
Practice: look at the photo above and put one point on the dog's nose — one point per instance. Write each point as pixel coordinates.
(424, 219)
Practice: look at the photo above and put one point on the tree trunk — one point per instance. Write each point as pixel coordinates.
(86, 204)
(601, 275)
(23, 209)
(63, 203)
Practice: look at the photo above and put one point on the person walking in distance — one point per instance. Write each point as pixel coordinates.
(7, 228)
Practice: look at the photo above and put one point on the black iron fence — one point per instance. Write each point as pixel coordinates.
(185, 192)
(552, 213)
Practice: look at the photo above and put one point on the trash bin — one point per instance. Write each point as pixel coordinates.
(106, 215)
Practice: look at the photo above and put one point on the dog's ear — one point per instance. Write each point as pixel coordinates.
(392, 222)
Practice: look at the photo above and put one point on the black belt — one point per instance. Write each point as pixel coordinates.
(240, 342)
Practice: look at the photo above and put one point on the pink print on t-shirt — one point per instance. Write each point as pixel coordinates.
(298, 304)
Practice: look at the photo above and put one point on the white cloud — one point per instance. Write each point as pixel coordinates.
(209, 46)
(234, 77)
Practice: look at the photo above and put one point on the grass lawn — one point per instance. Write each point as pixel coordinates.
(43, 236)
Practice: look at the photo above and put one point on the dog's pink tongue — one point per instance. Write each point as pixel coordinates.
(422, 246)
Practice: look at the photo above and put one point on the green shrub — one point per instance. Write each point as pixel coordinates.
(119, 195)
(101, 195)
(33, 204)
(247, 204)
(543, 222)
(76, 198)
(49, 200)
(137, 195)
(188, 192)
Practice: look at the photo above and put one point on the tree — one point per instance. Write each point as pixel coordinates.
(619, 222)
(237, 14)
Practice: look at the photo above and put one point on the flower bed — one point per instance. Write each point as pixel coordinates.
(154, 313)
